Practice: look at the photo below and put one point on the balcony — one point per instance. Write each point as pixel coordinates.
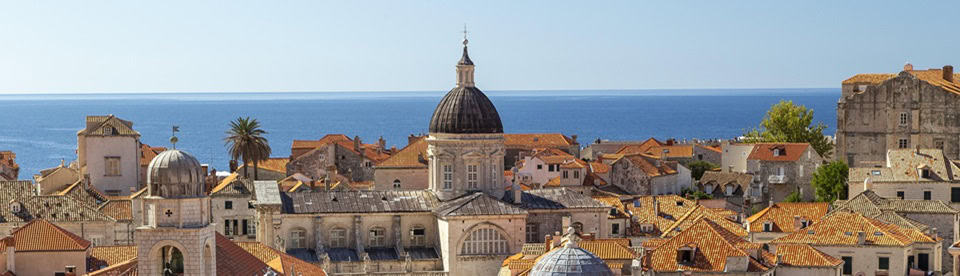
(777, 179)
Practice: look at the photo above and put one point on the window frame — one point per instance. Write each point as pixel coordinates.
(447, 177)
(377, 237)
(338, 238)
(485, 241)
(112, 166)
(418, 240)
(298, 240)
(473, 176)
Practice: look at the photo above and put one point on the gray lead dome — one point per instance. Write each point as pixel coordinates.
(569, 261)
(465, 110)
(174, 174)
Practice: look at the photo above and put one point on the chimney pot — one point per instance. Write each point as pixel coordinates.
(948, 73)
(907, 67)
(861, 238)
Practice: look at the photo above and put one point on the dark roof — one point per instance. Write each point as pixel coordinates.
(358, 202)
(465, 110)
(54, 208)
(477, 204)
(555, 198)
(465, 59)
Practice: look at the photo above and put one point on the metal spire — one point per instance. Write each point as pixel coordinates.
(173, 136)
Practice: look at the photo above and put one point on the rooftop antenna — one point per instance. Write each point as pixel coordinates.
(465, 34)
(173, 136)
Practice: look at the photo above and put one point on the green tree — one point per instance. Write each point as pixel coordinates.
(830, 181)
(245, 141)
(787, 122)
(697, 168)
(793, 197)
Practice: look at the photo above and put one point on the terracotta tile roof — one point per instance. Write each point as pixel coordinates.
(645, 163)
(277, 164)
(620, 211)
(599, 167)
(327, 139)
(147, 153)
(96, 124)
(783, 215)
(41, 235)
(371, 151)
(609, 249)
(721, 179)
(671, 207)
(788, 151)
(697, 213)
(280, 261)
(120, 209)
(226, 181)
(234, 260)
(414, 155)
(841, 229)
(126, 268)
(713, 245)
(931, 76)
(640, 148)
(803, 255)
(536, 140)
(869, 78)
(102, 257)
(78, 205)
(903, 165)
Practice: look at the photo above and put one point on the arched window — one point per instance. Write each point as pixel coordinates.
(418, 236)
(396, 184)
(485, 241)
(730, 188)
(578, 226)
(298, 238)
(338, 238)
(172, 260)
(708, 188)
(378, 237)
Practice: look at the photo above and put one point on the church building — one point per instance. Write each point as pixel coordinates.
(466, 221)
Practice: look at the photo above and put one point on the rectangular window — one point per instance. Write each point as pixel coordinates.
(226, 227)
(244, 228)
(418, 236)
(767, 227)
(955, 194)
(576, 174)
(883, 263)
(447, 177)
(903, 118)
(927, 195)
(472, 176)
(780, 171)
(900, 194)
(566, 174)
(903, 143)
(249, 204)
(252, 228)
(938, 143)
(847, 265)
(533, 233)
(550, 168)
(615, 229)
(228, 205)
(236, 230)
(539, 166)
(111, 166)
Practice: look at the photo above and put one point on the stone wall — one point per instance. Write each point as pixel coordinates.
(946, 225)
(410, 179)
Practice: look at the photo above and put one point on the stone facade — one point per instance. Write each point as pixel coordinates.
(452, 155)
(776, 177)
(642, 175)
(878, 112)
(107, 142)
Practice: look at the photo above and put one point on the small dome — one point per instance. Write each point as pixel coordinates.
(465, 109)
(174, 174)
(569, 260)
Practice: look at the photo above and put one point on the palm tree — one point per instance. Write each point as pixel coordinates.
(246, 142)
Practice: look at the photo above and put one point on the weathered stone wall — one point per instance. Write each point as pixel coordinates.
(241, 211)
(798, 174)
(868, 123)
(946, 227)
(410, 179)
(629, 177)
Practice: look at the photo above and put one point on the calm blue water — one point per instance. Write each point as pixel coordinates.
(41, 129)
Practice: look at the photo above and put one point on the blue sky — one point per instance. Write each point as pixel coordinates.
(237, 46)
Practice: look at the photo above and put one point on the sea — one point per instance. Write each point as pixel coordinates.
(42, 128)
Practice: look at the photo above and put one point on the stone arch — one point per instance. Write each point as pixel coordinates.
(156, 253)
(483, 225)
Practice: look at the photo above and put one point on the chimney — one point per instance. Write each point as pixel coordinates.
(908, 67)
(861, 238)
(548, 240)
(948, 73)
(356, 143)
(933, 233)
(867, 184)
(656, 206)
(574, 139)
(796, 222)
(517, 194)
(233, 166)
(671, 141)
(564, 223)
(770, 204)
(382, 143)
(204, 169)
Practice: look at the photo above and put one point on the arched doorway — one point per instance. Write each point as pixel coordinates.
(171, 260)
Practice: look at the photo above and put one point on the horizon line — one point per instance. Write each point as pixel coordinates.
(392, 91)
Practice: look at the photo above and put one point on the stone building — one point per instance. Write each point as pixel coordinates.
(641, 174)
(917, 174)
(729, 185)
(879, 112)
(519, 145)
(551, 168)
(932, 217)
(351, 157)
(108, 153)
(461, 222)
(42, 248)
(869, 246)
(406, 169)
(231, 206)
(9, 170)
(780, 169)
(671, 151)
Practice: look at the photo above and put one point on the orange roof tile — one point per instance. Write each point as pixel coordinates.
(869, 78)
(277, 164)
(280, 261)
(931, 76)
(713, 245)
(599, 167)
(126, 268)
(225, 182)
(698, 213)
(105, 256)
(644, 162)
(788, 151)
(803, 255)
(615, 203)
(536, 140)
(408, 157)
(327, 139)
(842, 227)
(783, 214)
(118, 209)
(234, 260)
(147, 153)
(41, 235)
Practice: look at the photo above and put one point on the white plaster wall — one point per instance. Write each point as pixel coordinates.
(127, 148)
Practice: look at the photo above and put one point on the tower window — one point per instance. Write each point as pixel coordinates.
(615, 229)
(903, 118)
(396, 184)
(903, 143)
(228, 205)
(472, 176)
(447, 177)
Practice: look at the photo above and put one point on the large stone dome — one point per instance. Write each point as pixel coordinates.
(174, 174)
(465, 109)
(570, 260)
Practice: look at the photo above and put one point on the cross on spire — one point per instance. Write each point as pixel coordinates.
(465, 35)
